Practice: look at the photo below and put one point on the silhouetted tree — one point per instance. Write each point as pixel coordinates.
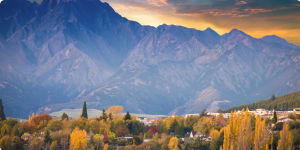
(2, 115)
(104, 115)
(84, 111)
(273, 97)
(47, 137)
(203, 113)
(64, 116)
(127, 116)
(274, 119)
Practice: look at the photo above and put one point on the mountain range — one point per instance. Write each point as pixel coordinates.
(58, 53)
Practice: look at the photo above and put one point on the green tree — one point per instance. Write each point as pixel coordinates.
(47, 137)
(64, 116)
(2, 115)
(203, 113)
(127, 116)
(104, 115)
(55, 125)
(273, 97)
(274, 119)
(5, 130)
(84, 111)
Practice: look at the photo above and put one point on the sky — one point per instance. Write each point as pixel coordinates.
(255, 17)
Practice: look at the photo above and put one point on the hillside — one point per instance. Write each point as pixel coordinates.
(285, 102)
(58, 53)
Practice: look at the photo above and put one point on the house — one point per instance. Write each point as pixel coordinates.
(297, 111)
(194, 135)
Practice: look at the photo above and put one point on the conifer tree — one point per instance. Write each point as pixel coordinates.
(84, 111)
(47, 137)
(2, 115)
(274, 119)
(104, 115)
(64, 116)
(127, 116)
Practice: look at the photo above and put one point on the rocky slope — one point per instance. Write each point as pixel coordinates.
(58, 53)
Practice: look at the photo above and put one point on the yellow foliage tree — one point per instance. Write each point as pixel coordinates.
(239, 135)
(286, 139)
(116, 111)
(214, 134)
(173, 144)
(261, 138)
(78, 140)
(105, 147)
(104, 127)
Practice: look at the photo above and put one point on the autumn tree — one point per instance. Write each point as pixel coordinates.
(122, 131)
(84, 111)
(55, 125)
(173, 144)
(54, 146)
(286, 139)
(98, 141)
(78, 140)
(115, 111)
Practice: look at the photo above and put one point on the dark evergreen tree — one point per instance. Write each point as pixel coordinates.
(173, 127)
(203, 113)
(84, 111)
(110, 116)
(274, 119)
(47, 137)
(104, 115)
(273, 97)
(64, 116)
(2, 115)
(127, 116)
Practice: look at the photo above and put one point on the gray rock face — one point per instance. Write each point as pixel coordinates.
(59, 53)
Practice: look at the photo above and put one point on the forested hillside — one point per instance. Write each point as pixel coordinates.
(285, 102)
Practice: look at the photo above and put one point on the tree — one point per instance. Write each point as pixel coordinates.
(64, 116)
(127, 116)
(98, 141)
(286, 139)
(274, 119)
(173, 144)
(78, 140)
(104, 115)
(47, 137)
(54, 146)
(84, 111)
(55, 125)
(273, 97)
(10, 143)
(203, 113)
(115, 111)
(105, 147)
(122, 131)
(5, 130)
(2, 115)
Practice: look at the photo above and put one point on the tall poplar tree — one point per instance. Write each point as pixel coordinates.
(2, 115)
(84, 111)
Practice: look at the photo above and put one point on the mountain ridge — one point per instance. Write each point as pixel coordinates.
(77, 51)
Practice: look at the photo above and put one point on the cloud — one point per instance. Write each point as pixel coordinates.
(235, 8)
(256, 17)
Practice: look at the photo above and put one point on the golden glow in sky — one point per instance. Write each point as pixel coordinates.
(256, 17)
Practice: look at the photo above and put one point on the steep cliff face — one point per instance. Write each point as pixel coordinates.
(58, 53)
